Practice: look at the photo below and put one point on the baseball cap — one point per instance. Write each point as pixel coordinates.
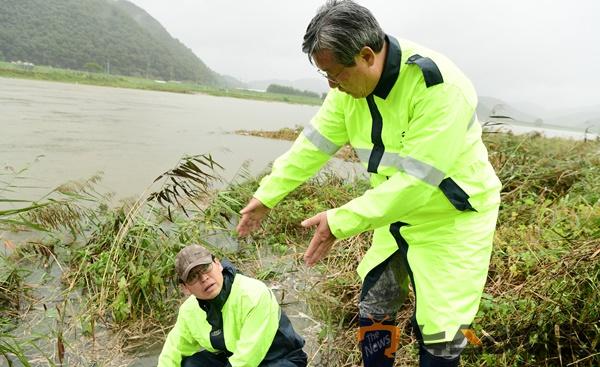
(189, 257)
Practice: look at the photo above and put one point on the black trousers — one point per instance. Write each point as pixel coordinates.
(205, 358)
(208, 359)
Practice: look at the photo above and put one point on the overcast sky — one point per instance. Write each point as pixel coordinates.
(545, 52)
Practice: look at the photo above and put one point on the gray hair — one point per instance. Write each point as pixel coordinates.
(344, 27)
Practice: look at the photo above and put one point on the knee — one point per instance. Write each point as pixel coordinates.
(188, 362)
(203, 358)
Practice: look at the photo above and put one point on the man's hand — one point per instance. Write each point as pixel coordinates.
(252, 215)
(322, 240)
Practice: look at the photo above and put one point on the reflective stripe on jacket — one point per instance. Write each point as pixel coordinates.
(419, 137)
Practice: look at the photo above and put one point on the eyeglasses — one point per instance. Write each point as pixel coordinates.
(333, 79)
(197, 272)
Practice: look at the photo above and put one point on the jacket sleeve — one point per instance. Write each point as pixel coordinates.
(320, 140)
(435, 136)
(258, 329)
(179, 344)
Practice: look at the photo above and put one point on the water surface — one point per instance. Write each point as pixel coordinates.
(68, 132)
(74, 131)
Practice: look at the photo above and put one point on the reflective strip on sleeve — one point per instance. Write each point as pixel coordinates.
(411, 166)
(414, 167)
(363, 155)
(318, 140)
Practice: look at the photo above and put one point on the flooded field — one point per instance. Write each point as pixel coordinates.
(66, 131)
(62, 132)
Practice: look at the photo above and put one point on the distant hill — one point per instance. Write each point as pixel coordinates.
(107, 35)
(232, 82)
(490, 108)
(318, 86)
(282, 89)
(587, 117)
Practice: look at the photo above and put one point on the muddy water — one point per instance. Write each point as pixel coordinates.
(67, 132)
(75, 131)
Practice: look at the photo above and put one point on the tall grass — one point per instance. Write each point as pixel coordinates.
(11, 350)
(540, 306)
(125, 267)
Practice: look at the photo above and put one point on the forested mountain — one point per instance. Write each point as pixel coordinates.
(110, 35)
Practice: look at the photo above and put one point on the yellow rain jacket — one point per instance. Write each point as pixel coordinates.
(434, 195)
(253, 330)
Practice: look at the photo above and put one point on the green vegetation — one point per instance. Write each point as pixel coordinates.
(110, 43)
(10, 349)
(91, 78)
(282, 89)
(117, 36)
(540, 305)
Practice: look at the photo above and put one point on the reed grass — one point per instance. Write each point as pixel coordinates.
(540, 306)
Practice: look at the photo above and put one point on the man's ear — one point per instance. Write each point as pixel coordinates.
(184, 289)
(367, 55)
(218, 264)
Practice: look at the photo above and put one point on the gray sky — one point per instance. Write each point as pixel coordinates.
(544, 52)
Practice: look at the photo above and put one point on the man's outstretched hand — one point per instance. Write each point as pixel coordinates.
(322, 240)
(252, 216)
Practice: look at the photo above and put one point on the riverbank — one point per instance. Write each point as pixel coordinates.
(540, 305)
(9, 70)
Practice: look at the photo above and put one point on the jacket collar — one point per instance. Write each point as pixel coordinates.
(391, 68)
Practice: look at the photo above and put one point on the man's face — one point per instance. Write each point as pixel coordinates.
(356, 80)
(206, 285)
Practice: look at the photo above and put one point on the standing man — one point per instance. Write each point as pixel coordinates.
(229, 320)
(409, 113)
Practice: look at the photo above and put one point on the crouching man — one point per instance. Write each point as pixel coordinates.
(229, 319)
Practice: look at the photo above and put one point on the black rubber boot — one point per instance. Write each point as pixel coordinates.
(427, 359)
(378, 342)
